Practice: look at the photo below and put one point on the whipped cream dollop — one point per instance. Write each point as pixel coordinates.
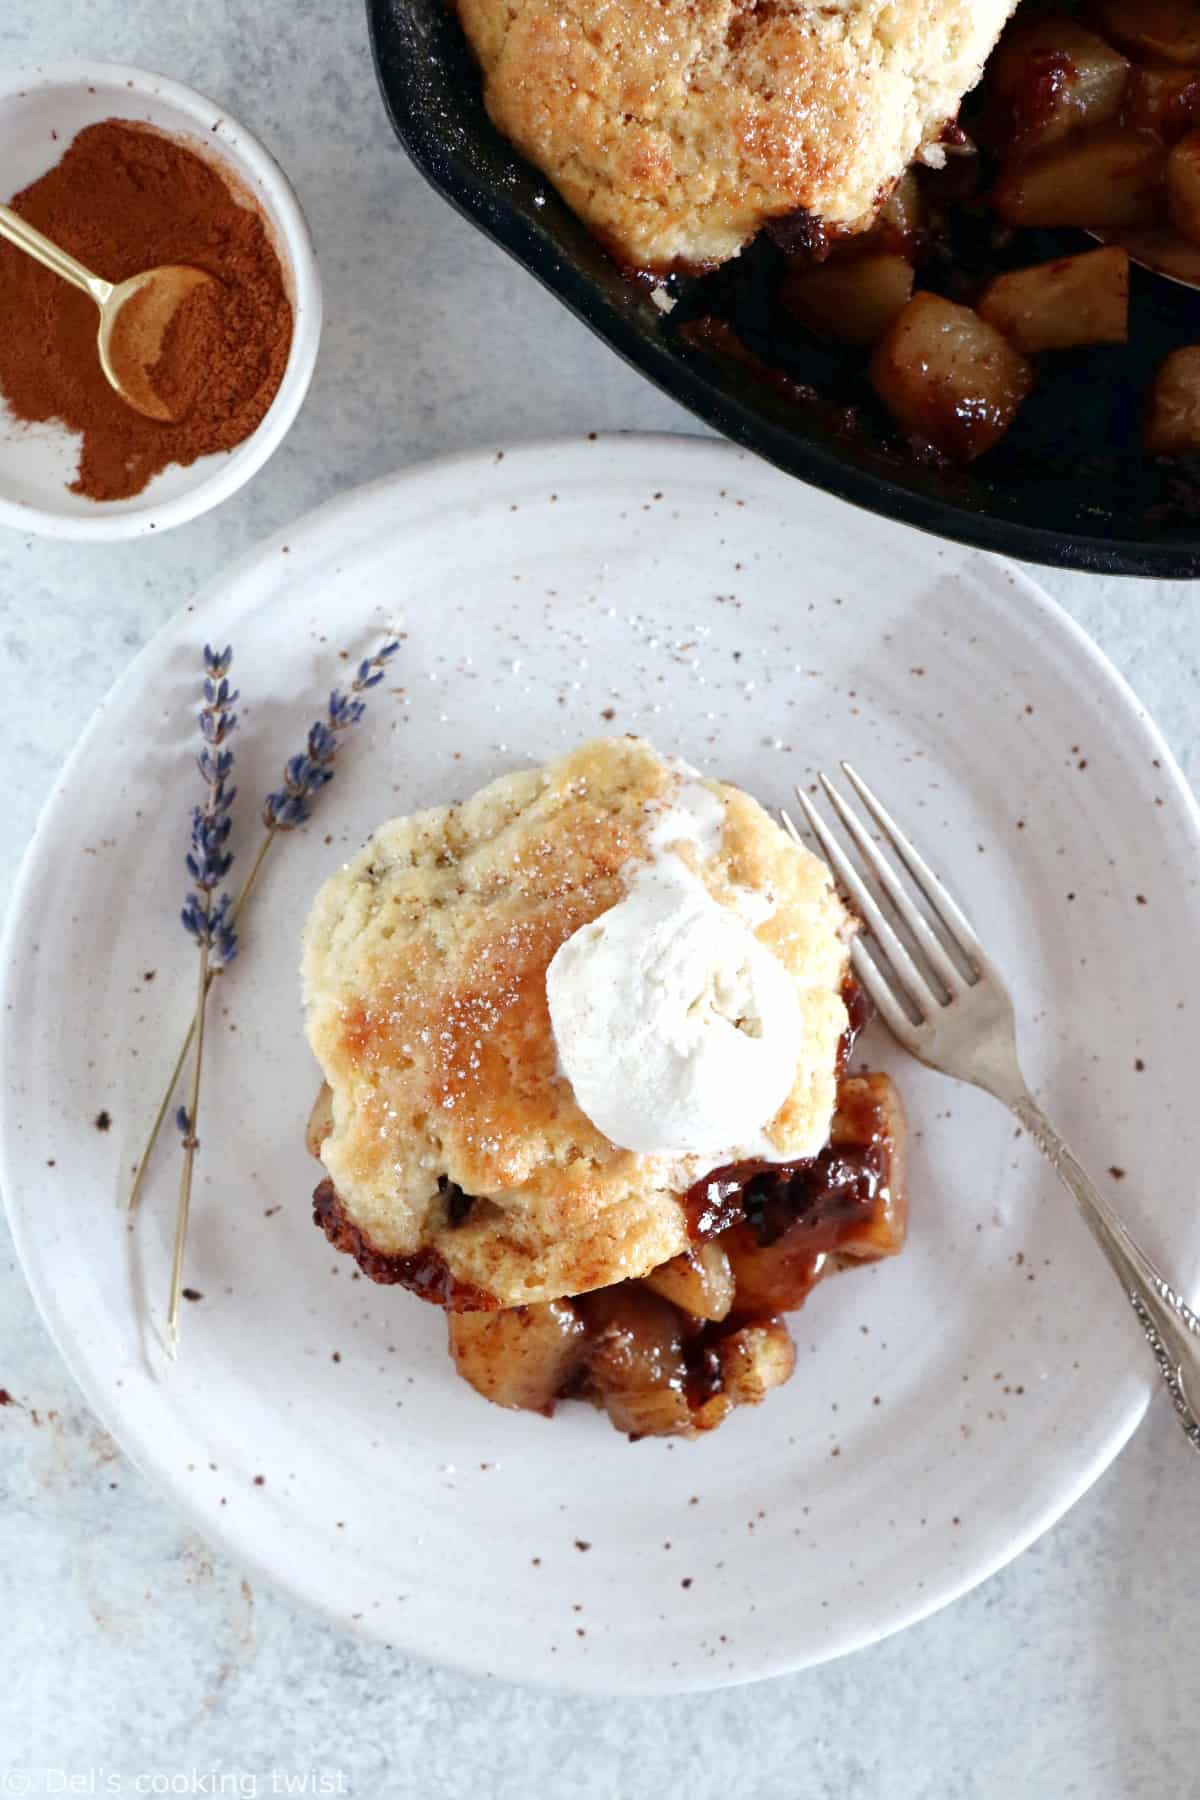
(679, 1032)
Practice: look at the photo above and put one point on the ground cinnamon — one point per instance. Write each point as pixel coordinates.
(126, 198)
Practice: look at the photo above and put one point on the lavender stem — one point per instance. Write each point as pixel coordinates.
(189, 1152)
(143, 1162)
(303, 778)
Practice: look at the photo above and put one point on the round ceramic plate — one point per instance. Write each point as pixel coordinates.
(947, 1406)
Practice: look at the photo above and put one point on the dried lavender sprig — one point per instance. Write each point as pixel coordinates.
(304, 776)
(208, 861)
(213, 930)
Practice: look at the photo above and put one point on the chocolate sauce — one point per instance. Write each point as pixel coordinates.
(800, 231)
(1048, 73)
(703, 1365)
(425, 1272)
(742, 1190)
(826, 1198)
(859, 1013)
(831, 1196)
(709, 333)
(714, 1203)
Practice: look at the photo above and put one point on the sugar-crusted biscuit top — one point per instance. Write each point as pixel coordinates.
(676, 128)
(424, 972)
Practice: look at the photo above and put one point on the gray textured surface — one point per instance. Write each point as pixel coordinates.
(127, 1648)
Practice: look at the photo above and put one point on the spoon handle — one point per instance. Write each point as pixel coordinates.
(26, 237)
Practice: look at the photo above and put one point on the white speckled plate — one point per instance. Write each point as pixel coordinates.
(947, 1407)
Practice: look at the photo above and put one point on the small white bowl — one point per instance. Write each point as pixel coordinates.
(41, 110)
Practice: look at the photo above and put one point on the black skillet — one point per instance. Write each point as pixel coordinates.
(1066, 486)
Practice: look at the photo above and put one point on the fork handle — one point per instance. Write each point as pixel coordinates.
(1172, 1329)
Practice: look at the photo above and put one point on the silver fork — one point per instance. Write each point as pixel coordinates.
(944, 1000)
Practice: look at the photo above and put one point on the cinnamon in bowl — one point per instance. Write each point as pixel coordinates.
(123, 198)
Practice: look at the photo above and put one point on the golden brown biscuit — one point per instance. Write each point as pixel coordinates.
(676, 128)
(425, 990)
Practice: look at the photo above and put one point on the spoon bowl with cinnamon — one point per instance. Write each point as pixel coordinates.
(135, 315)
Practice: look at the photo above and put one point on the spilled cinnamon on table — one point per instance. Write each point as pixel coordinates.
(125, 198)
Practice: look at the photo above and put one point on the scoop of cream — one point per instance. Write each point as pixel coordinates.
(679, 1032)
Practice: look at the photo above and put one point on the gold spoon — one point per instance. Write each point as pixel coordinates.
(134, 314)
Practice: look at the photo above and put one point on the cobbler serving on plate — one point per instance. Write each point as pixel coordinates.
(584, 1041)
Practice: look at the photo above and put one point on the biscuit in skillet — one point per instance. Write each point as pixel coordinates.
(677, 128)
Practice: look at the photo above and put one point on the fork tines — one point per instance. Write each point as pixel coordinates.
(924, 974)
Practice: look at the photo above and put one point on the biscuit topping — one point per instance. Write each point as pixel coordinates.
(425, 979)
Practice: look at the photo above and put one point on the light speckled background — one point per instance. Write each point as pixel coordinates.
(127, 1648)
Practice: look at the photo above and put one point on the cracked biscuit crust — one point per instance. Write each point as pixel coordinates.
(425, 992)
(676, 128)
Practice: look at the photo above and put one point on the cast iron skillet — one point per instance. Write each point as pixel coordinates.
(1067, 485)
